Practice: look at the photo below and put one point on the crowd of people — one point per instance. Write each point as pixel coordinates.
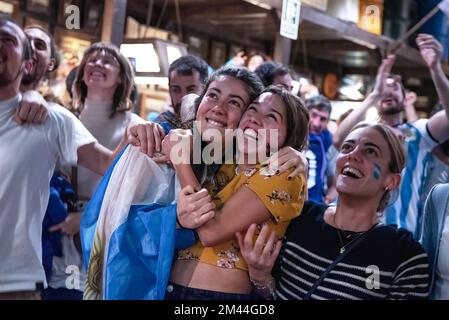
(238, 192)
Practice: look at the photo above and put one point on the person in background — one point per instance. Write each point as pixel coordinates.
(61, 221)
(345, 253)
(251, 61)
(101, 89)
(45, 60)
(45, 57)
(438, 166)
(419, 137)
(274, 73)
(435, 240)
(320, 140)
(29, 157)
(186, 74)
(438, 169)
(101, 96)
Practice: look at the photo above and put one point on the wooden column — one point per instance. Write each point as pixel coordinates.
(282, 49)
(114, 17)
(282, 45)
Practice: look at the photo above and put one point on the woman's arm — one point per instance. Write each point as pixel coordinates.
(147, 136)
(260, 257)
(287, 158)
(177, 148)
(358, 115)
(98, 158)
(256, 201)
(241, 210)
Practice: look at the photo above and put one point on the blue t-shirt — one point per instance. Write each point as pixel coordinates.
(167, 120)
(319, 144)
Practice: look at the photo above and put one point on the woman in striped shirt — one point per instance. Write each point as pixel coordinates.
(345, 253)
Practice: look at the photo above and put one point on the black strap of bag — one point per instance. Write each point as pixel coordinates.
(340, 257)
(74, 180)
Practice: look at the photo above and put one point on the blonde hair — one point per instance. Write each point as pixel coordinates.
(397, 157)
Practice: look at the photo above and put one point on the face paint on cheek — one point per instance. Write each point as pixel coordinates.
(377, 171)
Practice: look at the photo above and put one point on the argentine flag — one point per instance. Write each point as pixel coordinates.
(128, 230)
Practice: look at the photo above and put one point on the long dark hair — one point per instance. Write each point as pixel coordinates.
(254, 87)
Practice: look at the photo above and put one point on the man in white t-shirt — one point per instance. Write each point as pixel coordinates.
(67, 277)
(28, 158)
(419, 137)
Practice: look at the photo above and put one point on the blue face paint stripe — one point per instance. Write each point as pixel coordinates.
(377, 171)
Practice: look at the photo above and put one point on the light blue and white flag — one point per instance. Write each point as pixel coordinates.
(128, 230)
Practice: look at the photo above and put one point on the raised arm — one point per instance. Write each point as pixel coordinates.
(241, 210)
(409, 106)
(358, 115)
(431, 50)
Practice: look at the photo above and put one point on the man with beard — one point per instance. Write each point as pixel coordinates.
(419, 137)
(186, 74)
(44, 55)
(29, 157)
(45, 59)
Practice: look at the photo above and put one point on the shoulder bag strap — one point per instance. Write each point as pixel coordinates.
(340, 257)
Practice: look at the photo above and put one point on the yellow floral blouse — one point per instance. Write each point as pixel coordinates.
(282, 197)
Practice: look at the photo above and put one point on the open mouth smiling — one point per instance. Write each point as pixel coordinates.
(250, 134)
(352, 172)
(216, 123)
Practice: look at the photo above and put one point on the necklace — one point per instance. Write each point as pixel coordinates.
(342, 244)
(358, 235)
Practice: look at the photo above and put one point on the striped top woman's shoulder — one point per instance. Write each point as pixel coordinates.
(387, 264)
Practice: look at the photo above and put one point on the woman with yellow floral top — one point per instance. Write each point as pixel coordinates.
(213, 268)
(226, 96)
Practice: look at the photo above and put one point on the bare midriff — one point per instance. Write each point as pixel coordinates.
(194, 274)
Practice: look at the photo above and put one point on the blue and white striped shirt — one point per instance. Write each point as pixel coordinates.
(406, 212)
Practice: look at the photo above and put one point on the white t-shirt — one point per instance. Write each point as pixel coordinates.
(28, 158)
(68, 270)
(108, 131)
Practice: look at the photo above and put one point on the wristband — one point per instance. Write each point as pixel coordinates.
(270, 284)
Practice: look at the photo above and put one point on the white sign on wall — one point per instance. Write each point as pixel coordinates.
(290, 18)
